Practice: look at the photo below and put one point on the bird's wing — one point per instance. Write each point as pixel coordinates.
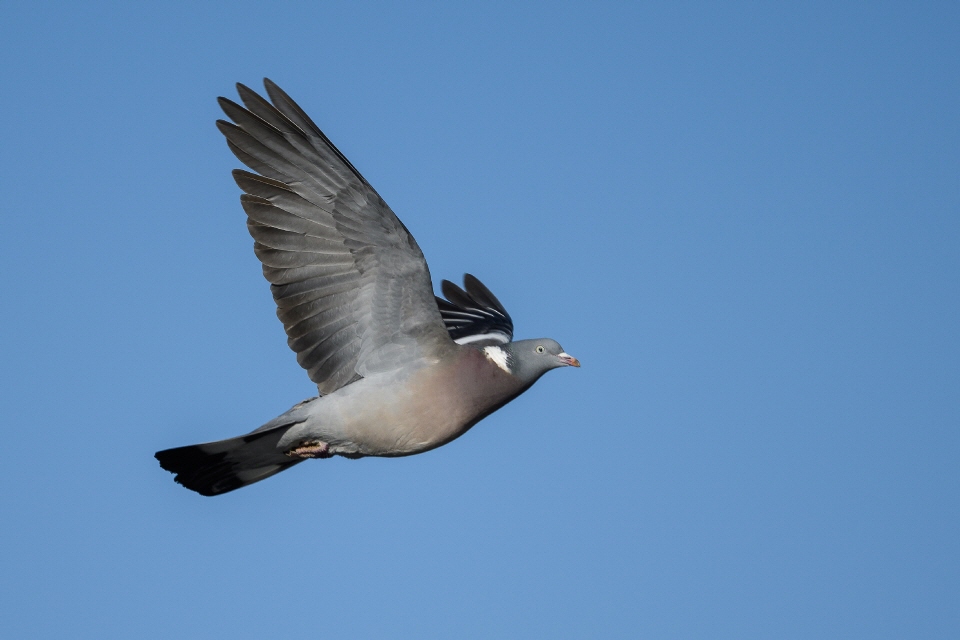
(351, 285)
(473, 315)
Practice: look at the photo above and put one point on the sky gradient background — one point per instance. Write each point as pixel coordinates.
(744, 221)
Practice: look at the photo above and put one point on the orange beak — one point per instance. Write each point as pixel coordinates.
(569, 360)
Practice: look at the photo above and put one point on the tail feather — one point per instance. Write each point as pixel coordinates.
(218, 467)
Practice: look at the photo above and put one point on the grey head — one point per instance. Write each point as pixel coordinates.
(530, 359)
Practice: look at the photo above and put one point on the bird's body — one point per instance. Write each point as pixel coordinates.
(417, 410)
(399, 371)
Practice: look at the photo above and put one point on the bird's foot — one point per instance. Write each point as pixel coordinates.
(310, 449)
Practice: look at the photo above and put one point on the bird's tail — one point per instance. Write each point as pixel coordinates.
(218, 467)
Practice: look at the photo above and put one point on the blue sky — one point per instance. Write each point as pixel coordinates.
(743, 218)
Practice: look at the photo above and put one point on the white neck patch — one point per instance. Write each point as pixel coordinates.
(498, 357)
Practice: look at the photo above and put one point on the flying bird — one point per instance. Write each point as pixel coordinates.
(399, 371)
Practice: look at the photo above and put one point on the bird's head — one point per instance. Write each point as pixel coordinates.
(530, 359)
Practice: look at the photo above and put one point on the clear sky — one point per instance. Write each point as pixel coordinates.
(744, 219)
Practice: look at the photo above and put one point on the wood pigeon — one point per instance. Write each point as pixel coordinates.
(398, 370)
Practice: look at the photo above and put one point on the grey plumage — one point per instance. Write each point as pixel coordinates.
(354, 294)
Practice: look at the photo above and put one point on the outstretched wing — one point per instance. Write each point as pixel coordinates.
(473, 314)
(351, 285)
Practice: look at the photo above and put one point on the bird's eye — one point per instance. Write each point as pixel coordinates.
(540, 349)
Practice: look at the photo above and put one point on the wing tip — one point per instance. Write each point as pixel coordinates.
(473, 314)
